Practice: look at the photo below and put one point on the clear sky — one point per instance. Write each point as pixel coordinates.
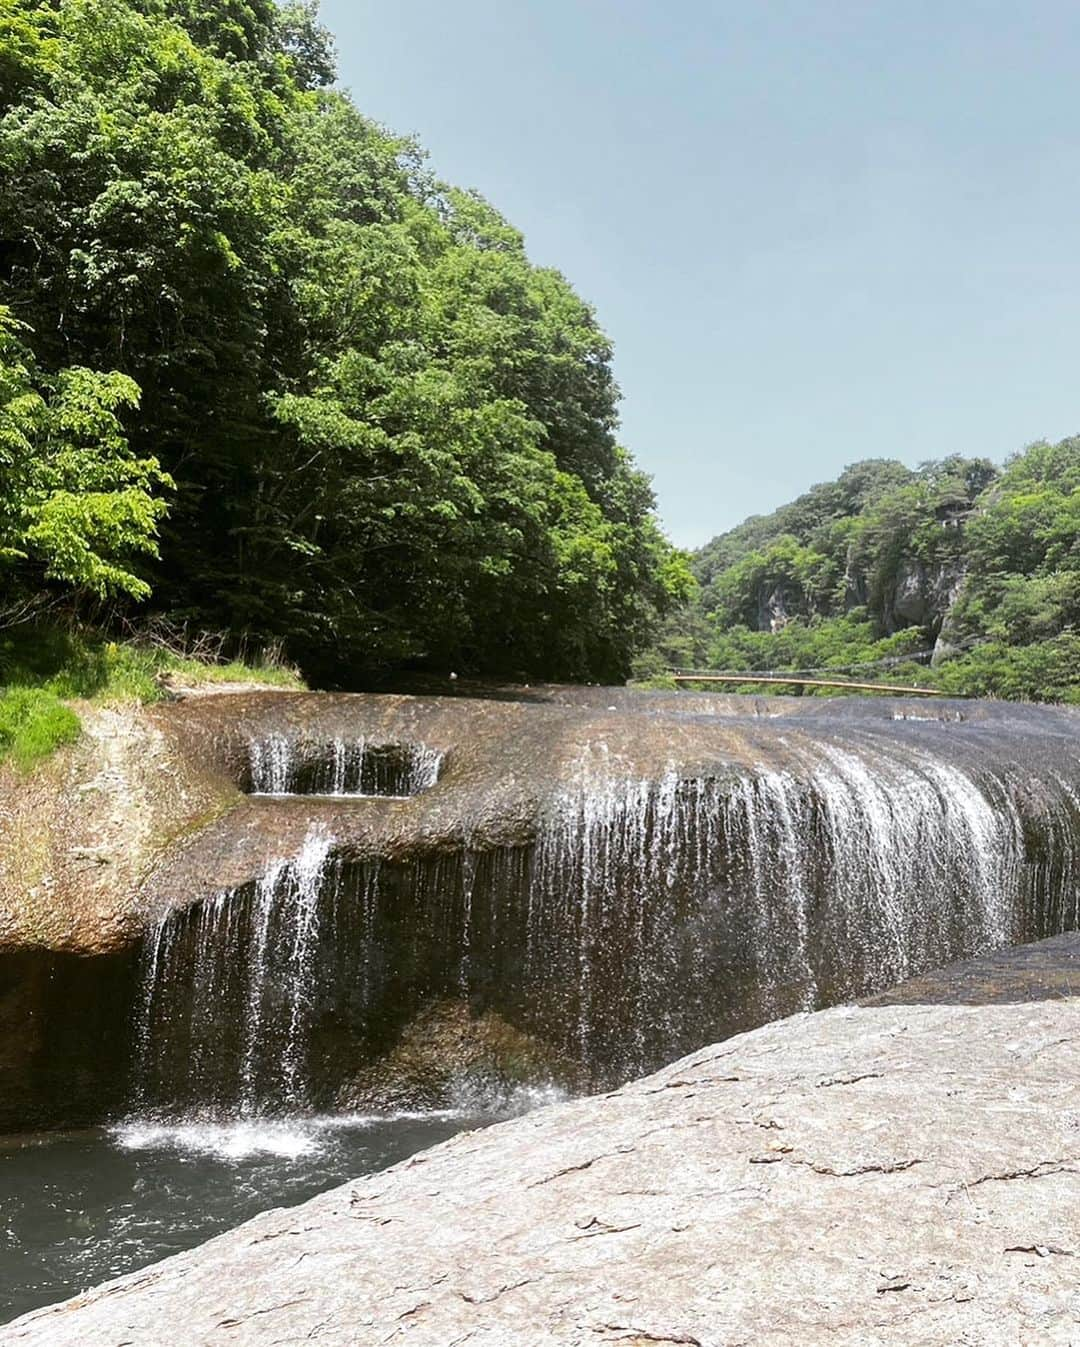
(816, 231)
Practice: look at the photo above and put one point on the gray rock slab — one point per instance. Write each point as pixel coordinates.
(900, 1175)
(1036, 972)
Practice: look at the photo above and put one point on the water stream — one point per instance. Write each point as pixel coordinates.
(650, 916)
(77, 1208)
(344, 767)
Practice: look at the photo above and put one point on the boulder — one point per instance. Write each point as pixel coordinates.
(447, 1054)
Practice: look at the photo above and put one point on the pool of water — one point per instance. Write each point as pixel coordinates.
(77, 1208)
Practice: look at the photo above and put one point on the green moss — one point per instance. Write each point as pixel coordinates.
(34, 722)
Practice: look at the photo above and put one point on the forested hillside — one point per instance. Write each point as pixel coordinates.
(261, 371)
(957, 574)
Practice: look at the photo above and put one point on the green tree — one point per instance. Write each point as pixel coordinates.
(393, 438)
(76, 504)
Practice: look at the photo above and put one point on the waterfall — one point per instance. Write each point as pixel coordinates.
(278, 766)
(650, 916)
(681, 908)
(271, 765)
(245, 967)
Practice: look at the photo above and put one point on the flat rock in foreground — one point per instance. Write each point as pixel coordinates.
(889, 1175)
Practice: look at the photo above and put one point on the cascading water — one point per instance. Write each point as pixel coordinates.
(247, 967)
(650, 916)
(343, 767)
(681, 909)
(271, 763)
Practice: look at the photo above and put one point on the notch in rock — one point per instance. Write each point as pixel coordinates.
(339, 768)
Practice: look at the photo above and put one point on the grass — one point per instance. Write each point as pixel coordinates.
(236, 671)
(43, 668)
(34, 722)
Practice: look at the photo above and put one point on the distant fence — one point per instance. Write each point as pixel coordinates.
(810, 683)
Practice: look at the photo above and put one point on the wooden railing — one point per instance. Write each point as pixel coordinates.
(811, 683)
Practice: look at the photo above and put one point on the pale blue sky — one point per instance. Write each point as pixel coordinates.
(816, 232)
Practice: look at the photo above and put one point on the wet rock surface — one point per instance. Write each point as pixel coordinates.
(615, 876)
(147, 812)
(446, 1053)
(64, 1037)
(506, 761)
(1045, 970)
(901, 1175)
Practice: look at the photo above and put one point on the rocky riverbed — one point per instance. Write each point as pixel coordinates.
(903, 1174)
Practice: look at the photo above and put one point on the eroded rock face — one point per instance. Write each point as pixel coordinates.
(615, 877)
(148, 811)
(64, 1036)
(922, 595)
(905, 1176)
(83, 833)
(1043, 971)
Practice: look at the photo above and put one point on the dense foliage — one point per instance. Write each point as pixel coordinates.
(73, 496)
(244, 326)
(889, 568)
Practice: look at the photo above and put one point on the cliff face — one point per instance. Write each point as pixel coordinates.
(918, 594)
(891, 542)
(922, 595)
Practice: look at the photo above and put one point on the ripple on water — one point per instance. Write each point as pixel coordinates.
(242, 1138)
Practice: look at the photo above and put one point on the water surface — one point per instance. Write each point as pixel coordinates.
(77, 1208)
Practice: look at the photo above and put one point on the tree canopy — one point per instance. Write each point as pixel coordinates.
(357, 415)
(976, 566)
(74, 498)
